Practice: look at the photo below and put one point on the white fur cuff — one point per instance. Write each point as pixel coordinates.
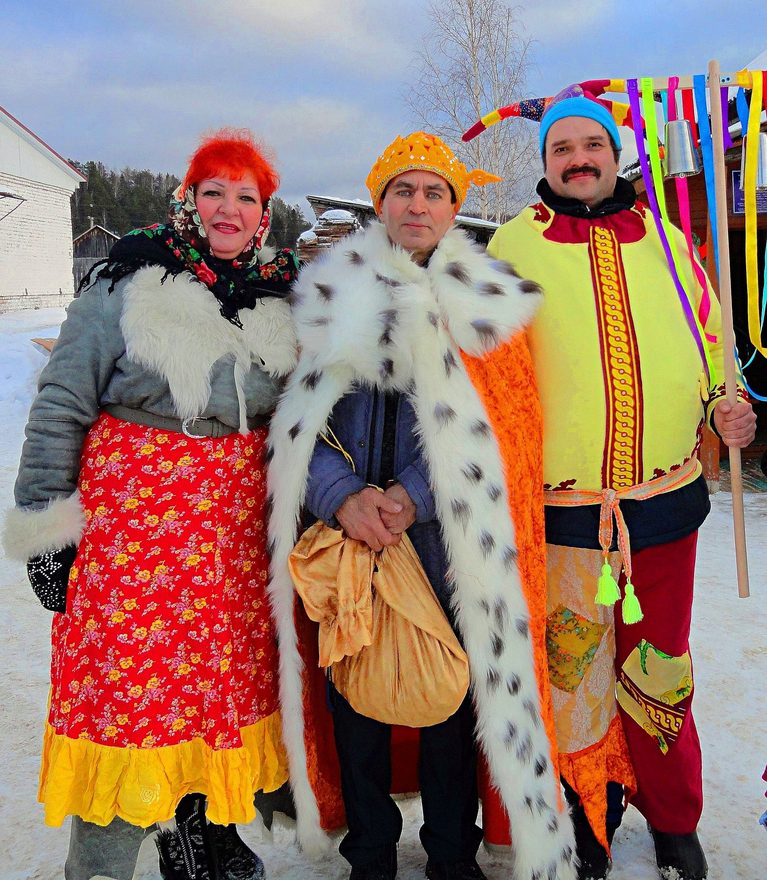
(29, 533)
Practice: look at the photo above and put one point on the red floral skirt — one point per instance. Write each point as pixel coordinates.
(164, 668)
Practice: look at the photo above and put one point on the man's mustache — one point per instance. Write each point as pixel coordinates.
(583, 169)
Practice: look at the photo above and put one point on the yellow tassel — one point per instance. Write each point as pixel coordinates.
(607, 587)
(632, 610)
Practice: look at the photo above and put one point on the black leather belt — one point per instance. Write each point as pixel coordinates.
(197, 428)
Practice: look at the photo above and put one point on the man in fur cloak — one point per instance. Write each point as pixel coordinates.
(393, 325)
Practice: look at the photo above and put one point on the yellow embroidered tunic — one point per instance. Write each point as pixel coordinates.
(622, 383)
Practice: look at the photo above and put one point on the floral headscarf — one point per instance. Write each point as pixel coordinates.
(181, 245)
(185, 219)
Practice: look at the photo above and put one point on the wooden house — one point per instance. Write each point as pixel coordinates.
(88, 248)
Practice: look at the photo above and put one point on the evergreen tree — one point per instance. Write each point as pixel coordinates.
(128, 199)
(120, 201)
(287, 223)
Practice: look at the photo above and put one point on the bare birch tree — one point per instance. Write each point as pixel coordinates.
(474, 59)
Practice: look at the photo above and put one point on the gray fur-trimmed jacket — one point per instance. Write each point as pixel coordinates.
(161, 347)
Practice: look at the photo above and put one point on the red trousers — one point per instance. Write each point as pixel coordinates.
(670, 788)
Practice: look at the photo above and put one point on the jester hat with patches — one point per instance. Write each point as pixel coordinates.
(580, 99)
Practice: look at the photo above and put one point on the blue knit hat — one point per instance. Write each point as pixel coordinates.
(579, 106)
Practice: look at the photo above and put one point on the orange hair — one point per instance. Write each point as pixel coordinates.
(232, 153)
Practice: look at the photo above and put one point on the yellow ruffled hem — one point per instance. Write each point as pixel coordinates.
(143, 786)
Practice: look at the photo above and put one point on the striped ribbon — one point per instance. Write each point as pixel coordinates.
(656, 198)
(749, 195)
(707, 149)
(683, 199)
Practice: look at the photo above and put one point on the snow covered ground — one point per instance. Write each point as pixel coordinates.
(729, 646)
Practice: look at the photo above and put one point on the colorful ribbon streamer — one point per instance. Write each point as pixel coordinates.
(724, 96)
(707, 149)
(683, 200)
(656, 198)
(688, 112)
(741, 105)
(755, 352)
(749, 196)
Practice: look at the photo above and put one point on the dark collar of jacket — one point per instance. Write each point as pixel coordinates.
(622, 199)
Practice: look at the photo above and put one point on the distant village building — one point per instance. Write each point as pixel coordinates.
(331, 226)
(337, 218)
(36, 185)
(88, 248)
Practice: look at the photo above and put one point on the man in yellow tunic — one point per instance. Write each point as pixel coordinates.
(625, 394)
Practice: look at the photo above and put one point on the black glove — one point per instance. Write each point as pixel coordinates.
(49, 576)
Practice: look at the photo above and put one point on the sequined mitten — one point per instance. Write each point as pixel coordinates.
(49, 576)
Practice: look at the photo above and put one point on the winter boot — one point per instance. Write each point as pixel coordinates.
(187, 852)
(236, 860)
(679, 856)
(595, 863)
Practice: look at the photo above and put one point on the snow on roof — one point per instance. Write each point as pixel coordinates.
(37, 142)
(338, 215)
(361, 203)
(309, 235)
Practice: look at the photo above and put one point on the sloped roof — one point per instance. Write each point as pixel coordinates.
(39, 144)
(93, 228)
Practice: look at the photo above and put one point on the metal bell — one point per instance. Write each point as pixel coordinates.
(761, 163)
(681, 158)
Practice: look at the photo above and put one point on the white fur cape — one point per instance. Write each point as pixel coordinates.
(368, 315)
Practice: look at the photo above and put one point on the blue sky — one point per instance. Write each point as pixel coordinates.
(322, 82)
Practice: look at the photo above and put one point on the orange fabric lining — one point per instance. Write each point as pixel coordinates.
(505, 382)
(589, 771)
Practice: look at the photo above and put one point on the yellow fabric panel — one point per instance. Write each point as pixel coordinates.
(566, 348)
(142, 786)
(651, 686)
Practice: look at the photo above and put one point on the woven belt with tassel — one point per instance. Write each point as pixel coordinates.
(611, 518)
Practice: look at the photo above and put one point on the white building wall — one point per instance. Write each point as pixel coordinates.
(36, 239)
(35, 245)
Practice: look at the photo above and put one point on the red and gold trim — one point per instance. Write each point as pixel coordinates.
(622, 460)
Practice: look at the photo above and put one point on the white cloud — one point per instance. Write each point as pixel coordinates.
(561, 21)
(366, 35)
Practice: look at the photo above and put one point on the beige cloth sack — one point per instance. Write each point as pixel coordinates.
(392, 652)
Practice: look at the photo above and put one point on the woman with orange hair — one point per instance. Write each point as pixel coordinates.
(141, 514)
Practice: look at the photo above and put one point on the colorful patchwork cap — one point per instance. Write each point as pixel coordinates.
(580, 99)
(420, 151)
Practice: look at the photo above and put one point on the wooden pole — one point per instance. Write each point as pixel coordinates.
(728, 332)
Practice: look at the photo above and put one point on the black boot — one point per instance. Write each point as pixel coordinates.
(595, 863)
(188, 853)
(236, 860)
(679, 856)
